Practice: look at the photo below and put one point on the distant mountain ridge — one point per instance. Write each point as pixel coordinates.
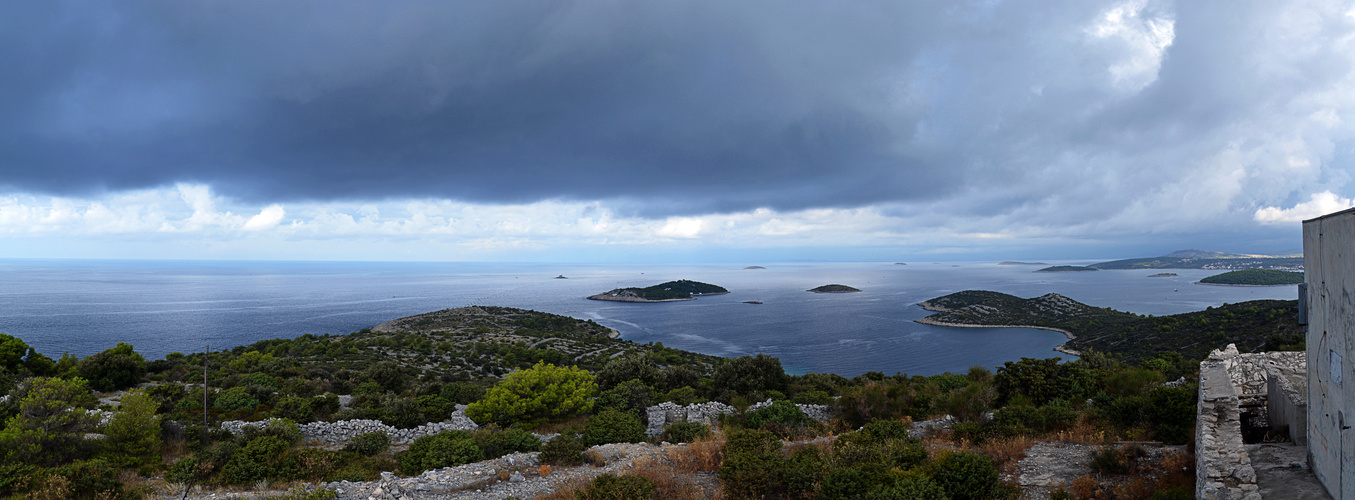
(1207, 259)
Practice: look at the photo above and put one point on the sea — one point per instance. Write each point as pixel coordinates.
(85, 306)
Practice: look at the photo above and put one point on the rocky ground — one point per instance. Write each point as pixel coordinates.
(512, 476)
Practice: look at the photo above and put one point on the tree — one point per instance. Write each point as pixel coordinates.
(748, 374)
(51, 422)
(631, 396)
(538, 394)
(637, 366)
(134, 431)
(117, 368)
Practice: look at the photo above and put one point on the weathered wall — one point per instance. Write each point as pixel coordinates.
(1287, 399)
(1329, 265)
(1223, 470)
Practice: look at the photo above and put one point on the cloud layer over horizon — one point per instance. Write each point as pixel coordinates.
(739, 124)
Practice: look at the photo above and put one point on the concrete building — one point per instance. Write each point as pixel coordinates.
(1329, 275)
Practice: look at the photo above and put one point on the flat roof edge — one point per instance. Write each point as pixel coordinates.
(1333, 214)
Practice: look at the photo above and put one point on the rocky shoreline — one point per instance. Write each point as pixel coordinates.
(1063, 348)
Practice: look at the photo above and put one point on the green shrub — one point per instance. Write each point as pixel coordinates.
(401, 412)
(133, 434)
(183, 471)
(496, 443)
(886, 429)
(909, 488)
(462, 393)
(12, 477)
(436, 408)
(842, 484)
(813, 398)
(611, 426)
(117, 368)
(369, 443)
(1171, 413)
(684, 432)
(972, 432)
(610, 487)
(749, 374)
(783, 413)
(631, 396)
(539, 394)
(563, 449)
(682, 396)
(88, 479)
(634, 367)
(281, 428)
(235, 399)
(751, 461)
(1173, 493)
(445, 449)
(264, 457)
(294, 408)
(965, 476)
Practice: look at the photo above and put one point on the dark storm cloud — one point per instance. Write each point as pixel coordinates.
(980, 107)
(697, 106)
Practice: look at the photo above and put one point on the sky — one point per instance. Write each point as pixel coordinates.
(687, 131)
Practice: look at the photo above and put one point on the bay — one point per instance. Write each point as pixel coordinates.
(85, 306)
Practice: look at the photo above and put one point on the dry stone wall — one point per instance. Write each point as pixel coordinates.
(667, 412)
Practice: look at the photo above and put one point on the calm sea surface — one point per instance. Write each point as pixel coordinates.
(83, 307)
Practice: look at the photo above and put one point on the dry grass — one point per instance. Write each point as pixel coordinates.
(703, 455)
(1082, 433)
(1007, 452)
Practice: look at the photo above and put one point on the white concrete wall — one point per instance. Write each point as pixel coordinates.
(1329, 264)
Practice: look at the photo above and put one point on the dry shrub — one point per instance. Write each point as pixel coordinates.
(1005, 453)
(594, 458)
(1086, 488)
(1083, 433)
(568, 490)
(1135, 489)
(704, 455)
(670, 484)
(543, 470)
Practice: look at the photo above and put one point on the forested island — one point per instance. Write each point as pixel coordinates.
(663, 292)
(1252, 325)
(1066, 269)
(833, 288)
(534, 398)
(1254, 277)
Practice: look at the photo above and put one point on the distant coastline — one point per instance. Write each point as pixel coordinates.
(1063, 348)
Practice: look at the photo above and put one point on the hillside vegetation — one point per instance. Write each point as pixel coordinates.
(1125, 335)
(1256, 277)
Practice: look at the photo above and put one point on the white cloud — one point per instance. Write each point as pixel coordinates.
(269, 218)
(1318, 205)
(1144, 35)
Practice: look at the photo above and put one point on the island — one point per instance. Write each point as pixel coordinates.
(1207, 259)
(752, 302)
(561, 277)
(1016, 263)
(754, 267)
(833, 288)
(1253, 277)
(1129, 337)
(1163, 275)
(1067, 269)
(663, 292)
(900, 264)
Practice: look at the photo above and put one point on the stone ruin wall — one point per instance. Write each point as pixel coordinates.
(1223, 470)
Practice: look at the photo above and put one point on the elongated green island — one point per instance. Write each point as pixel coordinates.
(663, 292)
(1066, 269)
(1254, 277)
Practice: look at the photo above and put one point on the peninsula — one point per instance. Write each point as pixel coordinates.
(1206, 259)
(1254, 277)
(1131, 337)
(663, 292)
(1066, 269)
(834, 288)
